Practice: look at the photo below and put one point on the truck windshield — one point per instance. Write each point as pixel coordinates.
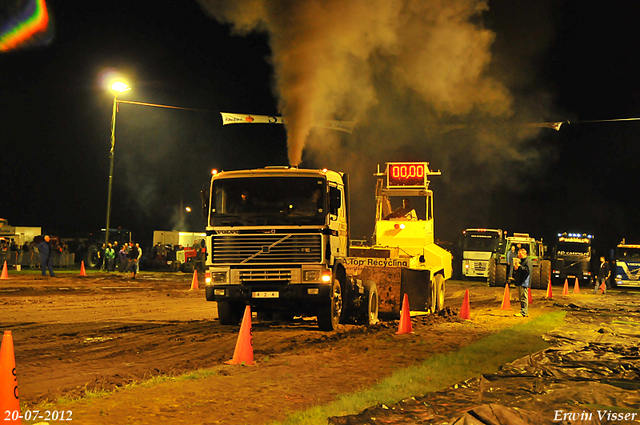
(628, 253)
(480, 242)
(268, 201)
(572, 249)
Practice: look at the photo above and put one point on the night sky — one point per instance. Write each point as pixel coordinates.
(569, 61)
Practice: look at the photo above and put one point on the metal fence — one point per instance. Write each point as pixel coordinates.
(32, 259)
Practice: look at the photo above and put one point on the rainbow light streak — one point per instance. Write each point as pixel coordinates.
(17, 31)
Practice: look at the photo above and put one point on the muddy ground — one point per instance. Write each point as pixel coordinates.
(73, 334)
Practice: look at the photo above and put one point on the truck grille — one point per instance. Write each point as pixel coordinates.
(270, 275)
(480, 266)
(266, 249)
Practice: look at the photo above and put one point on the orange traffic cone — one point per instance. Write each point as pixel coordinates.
(576, 287)
(83, 272)
(465, 313)
(506, 299)
(194, 281)
(529, 297)
(9, 401)
(5, 273)
(565, 290)
(405, 326)
(549, 291)
(243, 353)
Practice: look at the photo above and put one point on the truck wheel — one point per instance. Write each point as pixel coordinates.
(440, 286)
(545, 273)
(229, 313)
(535, 278)
(433, 304)
(329, 315)
(371, 302)
(491, 276)
(501, 275)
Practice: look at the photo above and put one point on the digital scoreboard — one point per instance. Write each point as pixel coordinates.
(407, 174)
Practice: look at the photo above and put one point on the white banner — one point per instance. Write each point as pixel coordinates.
(229, 118)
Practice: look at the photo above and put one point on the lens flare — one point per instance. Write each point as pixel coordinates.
(24, 28)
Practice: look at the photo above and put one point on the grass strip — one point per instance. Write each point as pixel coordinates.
(440, 371)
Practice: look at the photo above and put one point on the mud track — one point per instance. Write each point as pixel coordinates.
(73, 334)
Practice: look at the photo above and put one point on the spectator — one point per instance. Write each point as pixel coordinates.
(132, 256)
(522, 276)
(46, 256)
(603, 275)
(122, 258)
(110, 257)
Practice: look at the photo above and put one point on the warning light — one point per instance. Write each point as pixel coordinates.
(214, 171)
(399, 226)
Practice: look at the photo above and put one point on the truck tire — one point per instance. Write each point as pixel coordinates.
(501, 275)
(329, 314)
(535, 278)
(545, 274)
(433, 302)
(92, 257)
(440, 287)
(370, 306)
(491, 276)
(229, 313)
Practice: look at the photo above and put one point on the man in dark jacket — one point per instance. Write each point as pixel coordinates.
(604, 273)
(46, 256)
(522, 274)
(133, 260)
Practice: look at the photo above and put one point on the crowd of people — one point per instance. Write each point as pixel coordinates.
(125, 258)
(28, 253)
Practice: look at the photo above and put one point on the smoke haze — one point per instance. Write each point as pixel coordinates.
(419, 78)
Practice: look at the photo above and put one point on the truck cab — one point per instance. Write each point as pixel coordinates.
(277, 238)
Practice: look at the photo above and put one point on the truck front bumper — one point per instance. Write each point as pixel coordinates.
(273, 296)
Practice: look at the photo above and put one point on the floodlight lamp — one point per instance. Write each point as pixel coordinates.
(119, 86)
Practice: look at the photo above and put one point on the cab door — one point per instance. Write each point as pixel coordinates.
(337, 221)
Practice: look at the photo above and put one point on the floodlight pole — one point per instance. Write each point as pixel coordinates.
(111, 155)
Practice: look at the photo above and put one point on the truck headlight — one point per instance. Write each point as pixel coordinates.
(219, 277)
(311, 275)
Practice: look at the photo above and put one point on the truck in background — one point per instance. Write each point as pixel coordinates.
(541, 275)
(477, 247)
(571, 257)
(627, 271)
(404, 258)
(278, 240)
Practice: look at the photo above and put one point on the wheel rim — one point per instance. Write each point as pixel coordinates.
(373, 309)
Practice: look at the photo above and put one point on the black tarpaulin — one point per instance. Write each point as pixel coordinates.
(590, 375)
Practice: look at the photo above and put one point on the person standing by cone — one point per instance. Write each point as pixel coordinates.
(522, 274)
(604, 273)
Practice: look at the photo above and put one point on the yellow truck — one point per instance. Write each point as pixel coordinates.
(403, 257)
